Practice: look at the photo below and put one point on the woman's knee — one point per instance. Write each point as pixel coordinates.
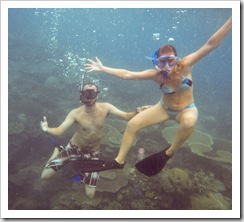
(188, 122)
(133, 126)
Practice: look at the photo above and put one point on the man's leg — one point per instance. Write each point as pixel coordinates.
(90, 191)
(49, 172)
(59, 159)
(90, 181)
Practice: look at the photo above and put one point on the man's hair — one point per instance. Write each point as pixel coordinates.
(90, 85)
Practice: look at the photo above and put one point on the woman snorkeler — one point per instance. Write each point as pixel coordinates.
(174, 77)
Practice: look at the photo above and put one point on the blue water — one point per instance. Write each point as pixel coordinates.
(56, 42)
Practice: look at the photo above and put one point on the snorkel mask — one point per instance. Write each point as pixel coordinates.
(163, 61)
(87, 96)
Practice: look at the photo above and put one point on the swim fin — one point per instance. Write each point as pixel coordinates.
(97, 165)
(153, 164)
(78, 178)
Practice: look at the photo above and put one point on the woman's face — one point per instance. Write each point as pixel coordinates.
(166, 62)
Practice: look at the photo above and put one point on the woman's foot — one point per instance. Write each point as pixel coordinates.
(153, 164)
(168, 152)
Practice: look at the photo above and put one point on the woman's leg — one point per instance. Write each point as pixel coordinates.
(150, 116)
(187, 120)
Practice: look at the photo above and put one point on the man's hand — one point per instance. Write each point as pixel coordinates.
(44, 124)
(139, 109)
(94, 66)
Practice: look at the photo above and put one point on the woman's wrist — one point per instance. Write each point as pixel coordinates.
(103, 68)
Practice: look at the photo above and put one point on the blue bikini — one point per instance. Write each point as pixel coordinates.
(185, 85)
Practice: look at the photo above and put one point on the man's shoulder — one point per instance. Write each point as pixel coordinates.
(77, 110)
(104, 104)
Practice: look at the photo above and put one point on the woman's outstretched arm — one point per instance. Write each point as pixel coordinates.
(120, 73)
(212, 43)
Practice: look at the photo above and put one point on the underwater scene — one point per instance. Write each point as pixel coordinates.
(47, 50)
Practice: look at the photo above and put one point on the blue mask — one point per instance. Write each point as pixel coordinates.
(164, 61)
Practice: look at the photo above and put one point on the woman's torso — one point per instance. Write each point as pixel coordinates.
(177, 93)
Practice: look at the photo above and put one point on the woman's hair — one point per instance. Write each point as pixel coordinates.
(166, 49)
(169, 48)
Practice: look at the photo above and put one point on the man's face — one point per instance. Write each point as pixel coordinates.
(89, 94)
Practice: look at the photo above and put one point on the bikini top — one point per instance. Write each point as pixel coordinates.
(185, 85)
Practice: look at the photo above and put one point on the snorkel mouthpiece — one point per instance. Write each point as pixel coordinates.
(165, 74)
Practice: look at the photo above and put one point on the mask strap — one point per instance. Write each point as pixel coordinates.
(154, 57)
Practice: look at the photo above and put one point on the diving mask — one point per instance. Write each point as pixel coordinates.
(89, 93)
(164, 61)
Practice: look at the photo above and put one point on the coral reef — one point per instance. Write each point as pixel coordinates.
(203, 182)
(108, 174)
(179, 178)
(204, 151)
(223, 156)
(115, 140)
(200, 149)
(52, 82)
(196, 137)
(145, 204)
(175, 180)
(120, 125)
(24, 204)
(223, 144)
(16, 127)
(114, 205)
(111, 181)
(200, 137)
(210, 122)
(202, 145)
(80, 199)
(112, 137)
(210, 201)
(22, 117)
(165, 182)
(151, 194)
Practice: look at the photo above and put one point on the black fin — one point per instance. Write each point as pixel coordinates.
(96, 165)
(153, 164)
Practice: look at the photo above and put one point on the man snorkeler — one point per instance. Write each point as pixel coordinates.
(84, 146)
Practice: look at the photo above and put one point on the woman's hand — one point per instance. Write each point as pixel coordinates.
(94, 66)
(140, 109)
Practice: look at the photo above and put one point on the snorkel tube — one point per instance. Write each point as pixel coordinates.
(81, 87)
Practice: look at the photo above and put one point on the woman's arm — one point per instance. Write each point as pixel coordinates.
(120, 73)
(212, 43)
